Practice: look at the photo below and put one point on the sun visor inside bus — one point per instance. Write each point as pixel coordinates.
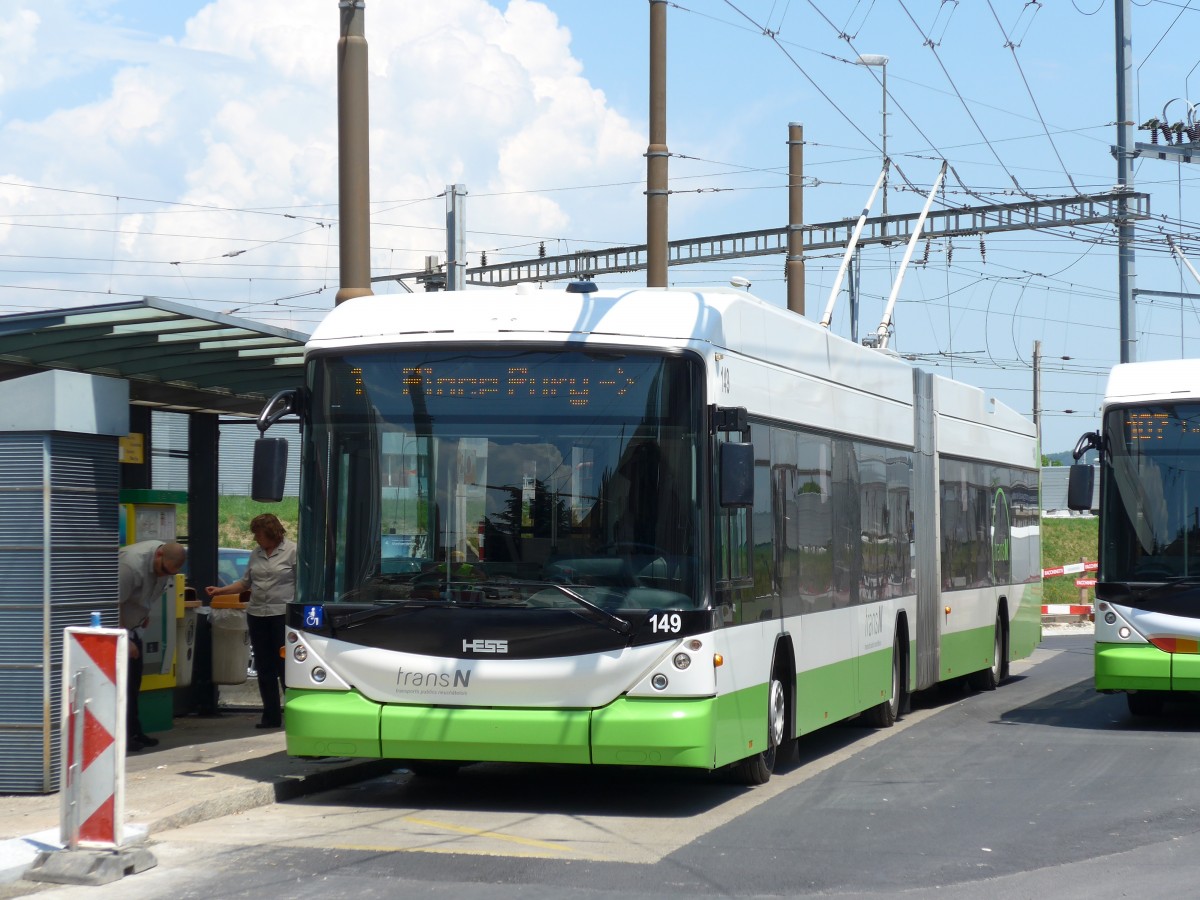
(737, 474)
(270, 470)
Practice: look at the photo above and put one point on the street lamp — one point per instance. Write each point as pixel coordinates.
(876, 59)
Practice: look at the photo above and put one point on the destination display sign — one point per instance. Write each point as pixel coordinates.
(449, 382)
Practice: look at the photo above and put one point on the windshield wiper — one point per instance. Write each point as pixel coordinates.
(616, 623)
(385, 609)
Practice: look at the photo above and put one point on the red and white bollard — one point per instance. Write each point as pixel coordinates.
(95, 662)
(95, 667)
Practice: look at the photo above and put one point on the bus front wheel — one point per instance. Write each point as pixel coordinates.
(757, 769)
(1143, 703)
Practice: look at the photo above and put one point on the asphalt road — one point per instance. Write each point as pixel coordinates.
(1042, 788)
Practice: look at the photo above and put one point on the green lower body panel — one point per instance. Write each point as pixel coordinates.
(1025, 630)
(964, 652)
(496, 735)
(329, 723)
(1132, 667)
(629, 731)
(1185, 672)
(826, 695)
(647, 732)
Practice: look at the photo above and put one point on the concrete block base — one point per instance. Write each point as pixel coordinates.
(89, 866)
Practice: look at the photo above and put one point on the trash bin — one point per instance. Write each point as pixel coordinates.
(231, 641)
(185, 644)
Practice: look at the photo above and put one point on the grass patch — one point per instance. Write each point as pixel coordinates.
(234, 515)
(1066, 541)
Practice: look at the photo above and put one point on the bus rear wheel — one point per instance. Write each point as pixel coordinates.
(757, 769)
(885, 713)
(989, 679)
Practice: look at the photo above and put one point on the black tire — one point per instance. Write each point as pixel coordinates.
(989, 679)
(757, 769)
(1143, 703)
(886, 712)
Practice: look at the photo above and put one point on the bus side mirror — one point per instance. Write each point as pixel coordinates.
(737, 475)
(1079, 487)
(269, 471)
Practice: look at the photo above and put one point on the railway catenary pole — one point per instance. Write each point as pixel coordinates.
(656, 152)
(354, 184)
(794, 267)
(1124, 154)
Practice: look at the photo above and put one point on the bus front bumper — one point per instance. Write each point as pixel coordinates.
(1136, 667)
(630, 731)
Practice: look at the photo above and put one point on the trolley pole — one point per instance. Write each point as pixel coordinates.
(1037, 394)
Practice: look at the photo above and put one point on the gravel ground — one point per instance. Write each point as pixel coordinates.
(1067, 628)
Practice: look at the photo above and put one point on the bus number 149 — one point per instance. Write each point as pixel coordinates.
(669, 623)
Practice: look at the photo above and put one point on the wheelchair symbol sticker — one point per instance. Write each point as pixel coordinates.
(314, 616)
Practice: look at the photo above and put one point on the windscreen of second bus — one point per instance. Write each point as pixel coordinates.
(1151, 521)
(514, 478)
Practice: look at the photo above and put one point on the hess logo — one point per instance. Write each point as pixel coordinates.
(485, 646)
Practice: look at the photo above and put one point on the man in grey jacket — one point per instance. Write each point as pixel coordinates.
(145, 568)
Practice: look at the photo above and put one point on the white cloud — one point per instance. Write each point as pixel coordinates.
(18, 38)
(241, 112)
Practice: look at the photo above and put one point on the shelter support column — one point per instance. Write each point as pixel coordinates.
(203, 480)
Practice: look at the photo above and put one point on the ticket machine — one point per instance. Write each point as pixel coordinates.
(150, 516)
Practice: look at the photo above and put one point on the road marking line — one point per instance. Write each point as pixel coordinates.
(455, 851)
(475, 832)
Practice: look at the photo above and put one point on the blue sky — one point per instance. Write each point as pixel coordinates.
(187, 149)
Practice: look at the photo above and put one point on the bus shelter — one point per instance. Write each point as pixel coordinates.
(171, 357)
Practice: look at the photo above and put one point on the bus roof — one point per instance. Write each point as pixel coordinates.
(714, 316)
(716, 320)
(1139, 382)
(710, 320)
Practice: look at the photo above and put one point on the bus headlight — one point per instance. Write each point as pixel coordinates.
(659, 682)
(682, 660)
(1123, 632)
(318, 674)
(299, 653)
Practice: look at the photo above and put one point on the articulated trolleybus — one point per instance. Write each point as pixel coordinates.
(643, 527)
(1148, 586)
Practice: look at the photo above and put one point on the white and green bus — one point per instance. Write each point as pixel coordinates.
(1147, 608)
(647, 527)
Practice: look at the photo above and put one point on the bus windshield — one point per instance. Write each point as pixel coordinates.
(1150, 521)
(515, 477)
